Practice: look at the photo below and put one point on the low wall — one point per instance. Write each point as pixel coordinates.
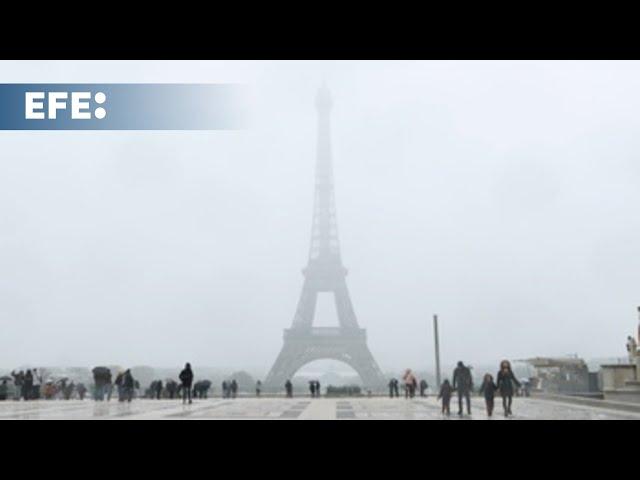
(615, 377)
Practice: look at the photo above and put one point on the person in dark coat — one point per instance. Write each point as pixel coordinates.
(463, 383)
(186, 378)
(288, 386)
(119, 383)
(423, 387)
(128, 385)
(171, 388)
(445, 394)
(234, 388)
(82, 390)
(258, 388)
(507, 383)
(488, 389)
(27, 385)
(225, 389)
(391, 388)
(312, 388)
(101, 380)
(317, 389)
(201, 388)
(158, 390)
(4, 390)
(18, 381)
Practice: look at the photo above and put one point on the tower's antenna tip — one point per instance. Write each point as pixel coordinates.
(323, 98)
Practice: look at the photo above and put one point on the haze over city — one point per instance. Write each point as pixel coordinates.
(500, 195)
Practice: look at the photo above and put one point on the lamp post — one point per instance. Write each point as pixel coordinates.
(437, 348)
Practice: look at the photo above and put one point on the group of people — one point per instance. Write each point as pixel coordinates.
(126, 385)
(229, 389)
(27, 384)
(171, 389)
(314, 388)
(506, 383)
(30, 385)
(410, 385)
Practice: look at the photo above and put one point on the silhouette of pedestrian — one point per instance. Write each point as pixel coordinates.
(258, 388)
(186, 379)
(317, 389)
(128, 384)
(463, 383)
(234, 388)
(18, 382)
(119, 382)
(288, 386)
(445, 394)
(506, 382)
(225, 389)
(158, 392)
(312, 388)
(82, 390)
(423, 388)
(488, 389)
(409, 383)
(171, 388)
(391, 388)
(4, 390)
(27, 386)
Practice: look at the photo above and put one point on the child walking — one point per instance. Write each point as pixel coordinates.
(445, 395)
(488, 388)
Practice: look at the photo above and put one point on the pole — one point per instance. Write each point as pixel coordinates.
(638, 325)
(437, 344)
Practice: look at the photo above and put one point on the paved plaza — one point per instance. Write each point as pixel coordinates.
(301, 408)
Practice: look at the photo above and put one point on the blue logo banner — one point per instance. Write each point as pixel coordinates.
(120, 106)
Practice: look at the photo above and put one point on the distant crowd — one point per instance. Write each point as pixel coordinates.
(29, 385)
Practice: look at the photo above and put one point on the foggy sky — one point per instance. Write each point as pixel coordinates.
(502, 196)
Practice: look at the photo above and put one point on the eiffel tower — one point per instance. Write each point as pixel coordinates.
(304, 343)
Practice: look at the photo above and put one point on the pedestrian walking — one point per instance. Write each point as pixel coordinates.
(507, 383)
(423, 387)
(128, 385)
(488, 390)
(312, 388)
(463, 384)
(288, 386)
(82, 390)
(409, 383)
(186, 379)
(445, 395)
(27, 386)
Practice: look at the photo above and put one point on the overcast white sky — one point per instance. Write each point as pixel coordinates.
(501, 195)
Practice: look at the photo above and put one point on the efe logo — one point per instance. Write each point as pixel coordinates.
(40, 106)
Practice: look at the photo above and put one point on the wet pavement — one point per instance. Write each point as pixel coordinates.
(377, 408)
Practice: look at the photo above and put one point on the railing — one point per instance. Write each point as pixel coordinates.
(325, 332)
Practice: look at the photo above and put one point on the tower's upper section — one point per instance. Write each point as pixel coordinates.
(324, 232)
(323, 100)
